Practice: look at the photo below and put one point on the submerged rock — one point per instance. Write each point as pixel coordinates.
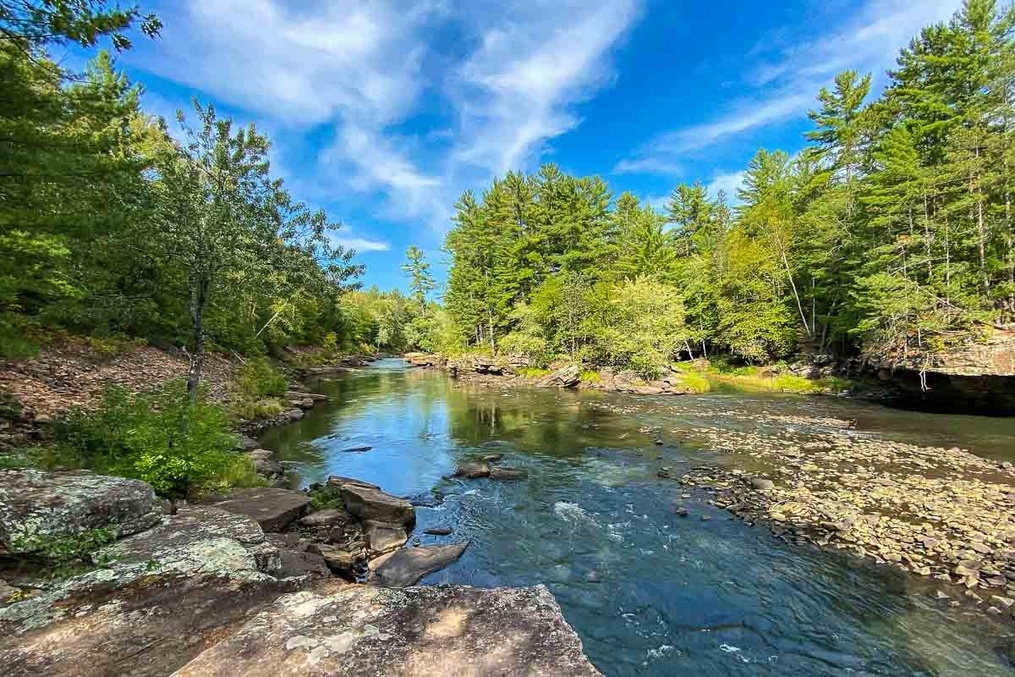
(408, 565)
(368, 502)
(362, 630)
(471, 470)
(498, 473)
(439, 531)
(37, 506)
(274, 509)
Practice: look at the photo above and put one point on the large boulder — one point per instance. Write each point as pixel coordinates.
(132, 621)
(198, 538)
(408, 565)
(362, 630)
(37, 506)
(567, 377)
(274, 509)
(368, 502)
(382, 537)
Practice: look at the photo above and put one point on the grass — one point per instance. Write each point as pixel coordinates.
(591, 376)
(695, 382)
(533, 372)
(758, 379)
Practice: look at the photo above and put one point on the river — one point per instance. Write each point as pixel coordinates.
(649, 592)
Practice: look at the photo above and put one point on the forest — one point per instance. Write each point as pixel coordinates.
(889, 236)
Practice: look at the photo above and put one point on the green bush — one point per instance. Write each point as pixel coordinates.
(253, 410)
(62, 552)
(258, 379)
(325, 496)
(164, 438)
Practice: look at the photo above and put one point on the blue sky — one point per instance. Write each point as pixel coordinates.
(384, 112)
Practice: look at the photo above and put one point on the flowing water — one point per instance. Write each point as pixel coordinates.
(649, 592)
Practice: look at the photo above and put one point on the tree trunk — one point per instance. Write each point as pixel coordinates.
(198, 300)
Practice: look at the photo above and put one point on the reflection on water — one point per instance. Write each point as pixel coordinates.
(650, 593)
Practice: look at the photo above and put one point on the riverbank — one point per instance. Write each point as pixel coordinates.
(676, 379)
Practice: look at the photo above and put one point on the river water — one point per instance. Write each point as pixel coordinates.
(650, 592)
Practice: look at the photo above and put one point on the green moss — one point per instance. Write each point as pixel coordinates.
(65, 555)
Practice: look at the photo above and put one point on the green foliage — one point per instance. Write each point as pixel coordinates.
(695, 382)
(258, 378)
(591, 376)
(324, 496)
(65, 554)
(172, 441)
(533, 372)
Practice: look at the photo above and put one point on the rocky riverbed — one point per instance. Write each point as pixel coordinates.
(937, 512)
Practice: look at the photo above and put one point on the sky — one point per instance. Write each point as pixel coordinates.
(384, 112)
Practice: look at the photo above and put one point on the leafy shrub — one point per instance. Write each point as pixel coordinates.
(259, 379)
(325, 496)
(252, 410)
(164, 438)
(695, 382)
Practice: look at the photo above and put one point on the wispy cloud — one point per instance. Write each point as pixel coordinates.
(360, 244)
(783, 82)
(728, 184)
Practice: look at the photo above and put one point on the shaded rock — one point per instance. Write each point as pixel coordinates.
(497, 473)
(342, 562)
(439, 531)
(323, 518)
(368, 502)
(383, 537)
(38, 505)
(145, 625)
(356, 450)
(407, 566)
(362, 630)
(245, 443)
(294, 414)
(471, 471)
(273, 509)
(427, 499)
(268, 467)
(295, 558)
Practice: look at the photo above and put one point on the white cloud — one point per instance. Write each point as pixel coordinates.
(785, 86)
(360, 244)
(516, 91)
(728, 183)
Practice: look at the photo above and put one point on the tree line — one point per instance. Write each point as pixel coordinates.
(890, 235)
(111, 226)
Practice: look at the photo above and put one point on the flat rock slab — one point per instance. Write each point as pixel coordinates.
(147, 627)
(273, 509)
(324, 518)
(196, 531)
(383, 537)
(408, 565)
(414, 632)
(368, 502)
(36, 506)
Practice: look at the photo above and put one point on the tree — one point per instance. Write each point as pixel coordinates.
(231, 226)
(421, 282)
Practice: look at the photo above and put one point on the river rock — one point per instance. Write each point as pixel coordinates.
(137, 622)
(409, 565)
(323, 518)
(568, 377)
(471, 470)
(498, 473)
(293, 414)
(36, 505)
(273, 509)
(363, 630)
(492, 458)
(439, 531)
(296, 559)
(245, 443)
(383, 537)
(368, 502)
(197, 532)
(762, 484)
(340, 561)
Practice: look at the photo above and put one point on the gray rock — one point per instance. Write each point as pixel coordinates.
(383, 537)
(407, 566)
(135, 622)
(6, 591)
(323, 518)
(245, 443)
(439, 531)
(497, 473)
(294, 414)
(340, 561)
(356, 450)
(492, 458)
(364, 630)
(38, 505)
(368, 502)
(268, 467)
(192, 529)
(472, 471)
(261, 454)
(568, 377)
(274, 509)
(762, 484)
